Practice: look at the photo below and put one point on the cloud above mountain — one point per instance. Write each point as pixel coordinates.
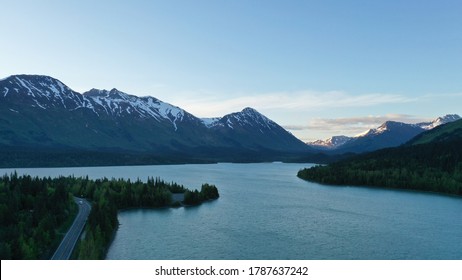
(307, 100)
(353, 125)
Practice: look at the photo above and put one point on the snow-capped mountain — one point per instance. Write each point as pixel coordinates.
(424, 125)
(439, 121)
(255, 131)
(42, 92)
(330, 143)
(118, 103)
(48, 93)
(209, 122)
(40, 111)
(389, 126)
(247, 117)
(389, 134)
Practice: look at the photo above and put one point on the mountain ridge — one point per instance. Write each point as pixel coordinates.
(388, 134)
(431, 161)
(445, 132)
(42, 112)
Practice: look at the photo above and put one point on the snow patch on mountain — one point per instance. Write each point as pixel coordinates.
(387, 127)
(424, 125)
(24, 85)
(118, 103)
(249, 117)
(136, 123)
(439, 121)
(363, 133)
(44, 91)
(210, 122)
(330, 143)
(47, 92)
(246, 117)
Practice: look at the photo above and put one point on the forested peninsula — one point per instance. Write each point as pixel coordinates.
(36, 212)
(432, 162)
(432, 167)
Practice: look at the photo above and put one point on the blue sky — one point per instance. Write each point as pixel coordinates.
(319, 68)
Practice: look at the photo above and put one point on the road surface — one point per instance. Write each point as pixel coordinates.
(66, 247)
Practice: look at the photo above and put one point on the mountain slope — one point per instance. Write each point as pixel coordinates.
(439, 121)
(446, 132)
(252, 130)
(42, 111)
(331, 143)
(435, 165)
(42, 114)
(389, 134)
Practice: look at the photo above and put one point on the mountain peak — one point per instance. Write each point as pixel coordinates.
(96, 92)
(390, 124)
(247, 117)
(39, 91)
(330, 143)
(24, 79)
(449, 118)
(439, 121)
(32, 79)
(116, 102)
(447, 132)
(249, 110)
(115, 93)
(387, 126)
(388, 134)
(116, 121)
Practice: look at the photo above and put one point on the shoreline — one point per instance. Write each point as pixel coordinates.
(147, 208)
(383, 188)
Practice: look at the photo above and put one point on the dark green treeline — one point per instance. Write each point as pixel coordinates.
(32, 212)
(33, 209)
(434, 167)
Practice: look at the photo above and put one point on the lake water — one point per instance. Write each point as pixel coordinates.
(266, 212)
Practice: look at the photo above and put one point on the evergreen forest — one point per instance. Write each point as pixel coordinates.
(432, 167)
(36, 212)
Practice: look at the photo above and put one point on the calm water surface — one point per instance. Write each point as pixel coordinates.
(266, 212)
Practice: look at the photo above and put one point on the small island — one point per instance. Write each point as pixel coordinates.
(36, 212)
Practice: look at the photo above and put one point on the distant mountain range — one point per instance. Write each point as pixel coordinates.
(45, 123)
(431, 161)
(448, 132)
(389, 134)
(40, 113)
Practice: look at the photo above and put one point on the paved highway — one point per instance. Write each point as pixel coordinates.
(66, 247)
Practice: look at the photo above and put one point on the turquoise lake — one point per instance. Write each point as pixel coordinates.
(266, 212)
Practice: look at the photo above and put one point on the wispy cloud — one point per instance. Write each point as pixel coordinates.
(295, 109)
(219, 104)
(352, 125)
